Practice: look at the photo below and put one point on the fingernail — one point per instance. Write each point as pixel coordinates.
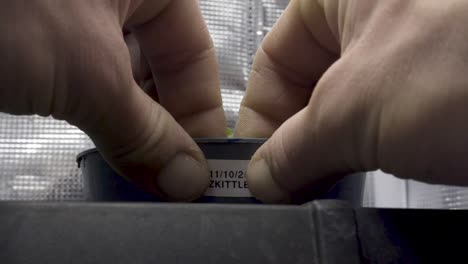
(262, 185)
(183, 178)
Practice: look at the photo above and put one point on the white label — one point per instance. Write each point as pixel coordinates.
(228, 178)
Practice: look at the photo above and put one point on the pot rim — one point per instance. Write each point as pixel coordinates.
(221, 141)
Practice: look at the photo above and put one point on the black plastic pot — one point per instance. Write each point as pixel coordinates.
(228, 159)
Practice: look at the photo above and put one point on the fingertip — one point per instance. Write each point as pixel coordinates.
(262, 184)
(183, 178)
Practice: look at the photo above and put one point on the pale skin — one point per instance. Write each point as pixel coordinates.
(338, 87)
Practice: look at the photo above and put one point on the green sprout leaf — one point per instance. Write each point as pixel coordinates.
(229, 132)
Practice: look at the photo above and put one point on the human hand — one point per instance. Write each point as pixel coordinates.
(69, 59)
(359, 85)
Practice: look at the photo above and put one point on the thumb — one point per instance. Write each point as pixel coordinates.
(139, 137)
(314, 149)
(297, 90)
(144, 143)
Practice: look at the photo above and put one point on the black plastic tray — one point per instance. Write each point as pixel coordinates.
(318, 232)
